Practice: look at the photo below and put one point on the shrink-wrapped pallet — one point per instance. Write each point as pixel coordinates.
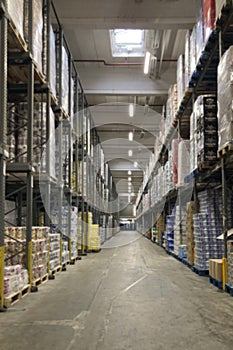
(15, 9)
(183, 160)
(37, 30)
(180, 79)
(225, 99)
(187, 59)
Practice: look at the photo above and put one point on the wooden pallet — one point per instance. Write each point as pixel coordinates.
(215, 282)
(15, 40)
(55, 270)
(40, 280)
(15, 297)
(225, 150)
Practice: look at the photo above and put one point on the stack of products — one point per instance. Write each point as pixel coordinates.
(161, 228)
(193, 142)
(230, 262)
(187, 59)
(171, 109)
(180, 78)
(15, 279)
(16, 11)
(169, 173)
(169, 232)
(37, 24)
(215, 269)
(183, 160)
(74, 232)
(65, 250)
(54, 252)
(205, 111)
(225, 97)
(180, 224)
(15, 248)
(79, 233)
(190, 210)
(207, 227)
(93, 241)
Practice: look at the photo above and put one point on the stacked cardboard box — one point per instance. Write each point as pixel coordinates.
(225, 98)
(54, 250)
(215, 269)
(230, 262)
(161, 228)
(190, 210)
(15, 278)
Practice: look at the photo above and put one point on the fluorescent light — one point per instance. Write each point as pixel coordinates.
(131, 110)
(129, 172)
(129, 179)
(130, 153)
(130, 136)
(135, 164)
(147, 62)
(132, 194)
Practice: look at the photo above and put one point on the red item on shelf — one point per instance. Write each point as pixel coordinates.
(209, 15)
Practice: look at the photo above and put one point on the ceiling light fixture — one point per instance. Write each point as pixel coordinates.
(147, 62)
(130, 136)
(129, 172)
(130, 153)
(135, 164)
(131, 110)
(129, 179)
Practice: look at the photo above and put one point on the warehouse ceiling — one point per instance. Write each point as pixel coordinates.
(111, 83)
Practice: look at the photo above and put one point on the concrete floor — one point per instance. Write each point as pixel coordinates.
(130, 297)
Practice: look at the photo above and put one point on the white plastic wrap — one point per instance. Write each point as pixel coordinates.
(16, 11)
(65, 81)
(187, 59)
(183, 160)
(180, 79)
(37, 25)
(225, 98)
(52, 62)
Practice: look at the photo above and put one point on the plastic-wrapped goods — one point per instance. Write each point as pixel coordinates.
(225, 98)
(179, 228)
(209, 14)
(193, 141)
(169, 231)
(199, 31)
(37, 29)
(54, 255)
(15, 278)
(193, 51)
(183, 160)
(74, 232)
(187, 59)
(175, 145)
(190, 245)
(65, 81)
(16, 11)
(207, 227)
(180, 78)
(52, 62)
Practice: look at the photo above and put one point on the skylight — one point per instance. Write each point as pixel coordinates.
(127, 42)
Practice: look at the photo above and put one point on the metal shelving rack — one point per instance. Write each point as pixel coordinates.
(203, 80)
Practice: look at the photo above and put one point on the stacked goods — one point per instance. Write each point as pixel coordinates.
(169, 232)
(183, 160)
(190, 246)
(180, 79)
(82, 189)
(230, 262)
(180, 228)
(16, 11)
(161, 228)
(171, 109)
(74, 232)
(193, 141)
(54, 251)
(15, 279)
(193, 53)
(215, 269)
(93, 241)
(52, 62)
(199, 31)
(37, 29)
(15, 248)
(187, 59)
(175, 145)
(225, 97)
(205, 110)
(65, 250)
(169, 180)
(207, 227)
(209, 15)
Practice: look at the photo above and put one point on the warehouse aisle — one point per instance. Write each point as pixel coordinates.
(131, 297)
